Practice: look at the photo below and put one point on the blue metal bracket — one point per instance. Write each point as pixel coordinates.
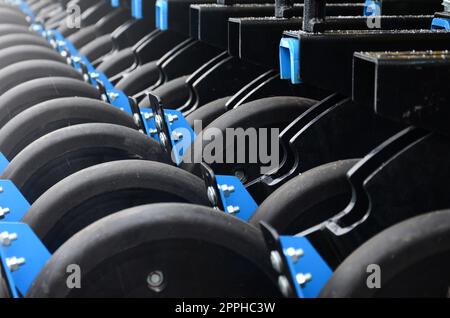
(115, 3)
(162, 20)
(3, 163)
(118, 99)
(60, 43)
(228, 194)
(91, 75)
(114, 97)
(290, 60)
(235, 198)
(22, 256)
(13, 205)
(169, 128)
(136, 9)
(78, 61)
(372, 8)
(440, 24)
(96, 78)
(180, 133)
(302, 271)
(66, 48)
(149, 123)
(309, 272)
(174, 133)
(38, 28)
(82, 64)
(104, 79)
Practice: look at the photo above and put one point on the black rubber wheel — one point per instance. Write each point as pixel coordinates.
(107, 24)
(66, 151)
(140, 79)
(89, 17)
(55, 21)
(413, 257)
(25, 71)
(40, 5)
(4, 5)
(199, 252)
(22, 39)
(83, 36)
(173, 94)
(37, 91)
(209, 112)
(104, 189)
(273, 112)
(118, 63)
(49, 11)
(20, 53)
(307, 200)
(52, 115)
(98, 48)
(12, 16)
(8, 29)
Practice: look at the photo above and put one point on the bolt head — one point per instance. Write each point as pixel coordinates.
(148, 116)
(6, 238)
(164, 140)
(285, 287)
(233, 209)
(136, 119)
(227, 190)
(173, 118)
(277, 262)
(113, 95)
(15, 263)
(294, 254)
(303, 279)
(156, 281)
(212, 196)
(54, 44)
(159, 122)
(4, 212)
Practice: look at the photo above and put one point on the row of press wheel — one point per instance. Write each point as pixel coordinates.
(109, 199)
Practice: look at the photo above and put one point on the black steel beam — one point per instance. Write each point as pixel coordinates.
(209, 22)
(258, 39)
(326, 59)
(409, 87)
